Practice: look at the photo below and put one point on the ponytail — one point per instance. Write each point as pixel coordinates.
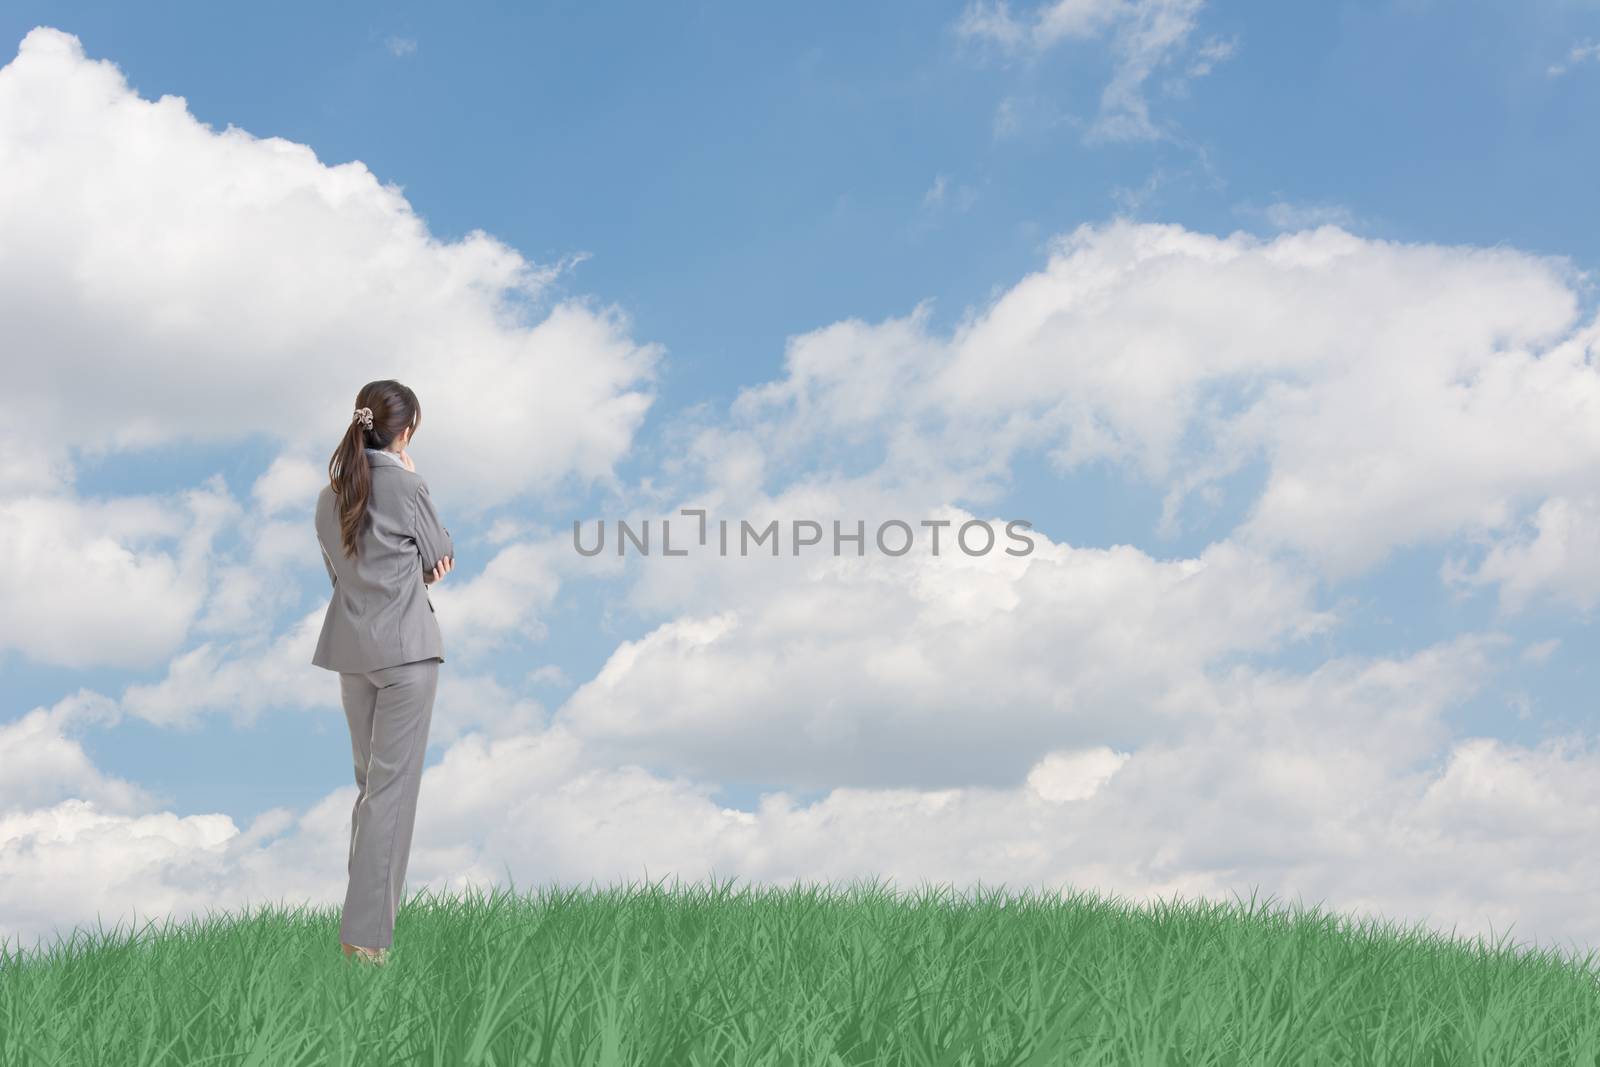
(383, 409)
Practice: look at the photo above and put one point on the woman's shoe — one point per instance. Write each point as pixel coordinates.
(376, 956)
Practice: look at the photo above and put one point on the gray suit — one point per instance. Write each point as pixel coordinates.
(380, 634)
(380, 613)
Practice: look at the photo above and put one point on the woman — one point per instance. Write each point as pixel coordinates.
(382, 543)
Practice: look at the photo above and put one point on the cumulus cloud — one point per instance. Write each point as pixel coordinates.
(509, 600)
(1062, 719)
(45, 763)
(241, 678)
(923, 670)
(289, 482)
(246, 677)
(239, 285)
(1341, 786)
(1078, 716)
(1552, 555)
(1385, 387)
(241, 658)
(106, 582)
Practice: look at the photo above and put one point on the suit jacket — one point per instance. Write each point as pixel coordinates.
(380, 613)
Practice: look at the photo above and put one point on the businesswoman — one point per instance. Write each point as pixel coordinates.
(383, 544)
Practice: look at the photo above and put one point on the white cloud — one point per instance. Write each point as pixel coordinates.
(242, 678)
(1287, 216)
(941, 193)
(511, 596)
(1582, 52)
(1143, 36)
(127, 580)
(91, 583)
(1340, 786)
(46, 764)
(1095, 760)
(1214, 51)
(1131, 200)
(921, 670)
(1029, 116)
(1386, 387)
(1051, 23)
(1155, 29)
(1554, 554)
(28, 465)
(992, 21)
(400, 47)
(246, 287)
(143, 609)
(1062, 19)
(1068, 717)
(246, 677)
(547, 674)
(289, 482)
(1078, 774)
(143, 866)
(1540, 651)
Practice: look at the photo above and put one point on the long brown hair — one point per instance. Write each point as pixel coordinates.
(394, 407)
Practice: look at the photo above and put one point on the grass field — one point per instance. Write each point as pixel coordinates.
(802, 976)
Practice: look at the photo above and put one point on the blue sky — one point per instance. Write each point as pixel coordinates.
(731, 178)
(738, 174)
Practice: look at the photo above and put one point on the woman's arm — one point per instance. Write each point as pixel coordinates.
(431, 535)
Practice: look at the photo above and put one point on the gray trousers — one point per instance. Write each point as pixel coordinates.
(389, 711)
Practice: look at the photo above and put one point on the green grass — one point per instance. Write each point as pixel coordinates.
(805, 975)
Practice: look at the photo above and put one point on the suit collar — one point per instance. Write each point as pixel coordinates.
(379, 457)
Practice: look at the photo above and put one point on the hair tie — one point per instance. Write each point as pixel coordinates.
(363, 416)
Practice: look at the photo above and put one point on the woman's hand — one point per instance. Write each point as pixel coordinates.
(405, 457)
(440, 569)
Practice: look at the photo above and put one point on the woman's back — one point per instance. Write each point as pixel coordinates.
(379, 614)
